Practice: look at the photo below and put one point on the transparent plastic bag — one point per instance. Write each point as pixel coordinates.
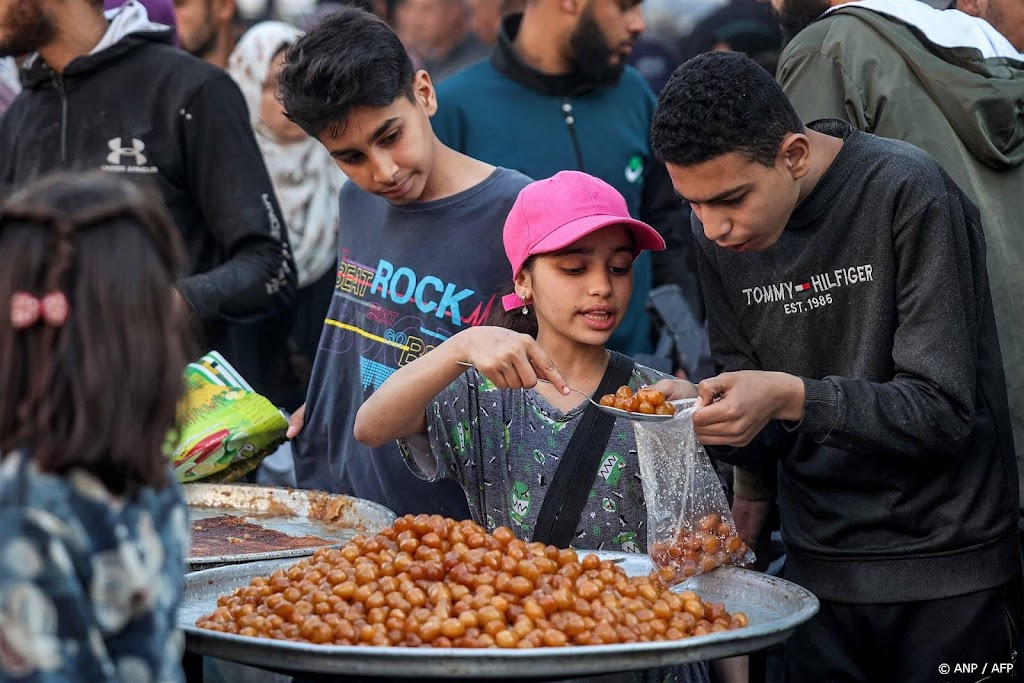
(690, 529)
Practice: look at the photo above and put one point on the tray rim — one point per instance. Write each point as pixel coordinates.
(217, 561)
(501, 663)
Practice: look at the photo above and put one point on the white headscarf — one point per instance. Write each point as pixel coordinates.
(304, 175)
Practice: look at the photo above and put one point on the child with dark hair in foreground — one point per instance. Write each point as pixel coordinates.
(850, 317)
(93, 344)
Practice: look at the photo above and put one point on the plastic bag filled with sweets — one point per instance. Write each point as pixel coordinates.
(690, 529)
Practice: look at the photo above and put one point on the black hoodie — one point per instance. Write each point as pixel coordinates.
(900, 483)
(149, 112)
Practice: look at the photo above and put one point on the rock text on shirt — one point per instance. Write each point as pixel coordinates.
(383, 295)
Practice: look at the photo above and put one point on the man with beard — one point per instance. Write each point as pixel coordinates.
(556, 94)
(1007, 16)
(947, 83)
(110, 92)
(209, 29)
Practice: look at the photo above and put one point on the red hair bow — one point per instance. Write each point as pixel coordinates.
(27, 310)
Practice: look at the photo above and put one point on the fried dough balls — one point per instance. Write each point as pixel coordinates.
(711, 542)
(647, 401)
(429, 581)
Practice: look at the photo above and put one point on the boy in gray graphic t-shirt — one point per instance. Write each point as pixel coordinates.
(420, 254)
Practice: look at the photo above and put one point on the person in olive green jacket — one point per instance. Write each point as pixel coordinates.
(948, 83)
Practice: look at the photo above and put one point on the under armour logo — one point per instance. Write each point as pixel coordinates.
(118, 150)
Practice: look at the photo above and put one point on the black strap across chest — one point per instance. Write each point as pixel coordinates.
(567, 495)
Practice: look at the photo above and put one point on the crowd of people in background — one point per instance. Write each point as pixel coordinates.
(348, 202)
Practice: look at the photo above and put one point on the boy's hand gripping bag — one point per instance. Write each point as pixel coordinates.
(690, 529)
(226, 428)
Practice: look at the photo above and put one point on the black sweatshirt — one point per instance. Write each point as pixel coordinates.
(900, 483)
(149, 112)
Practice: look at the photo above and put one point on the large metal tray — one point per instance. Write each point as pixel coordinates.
(774, 607)
(334, 517)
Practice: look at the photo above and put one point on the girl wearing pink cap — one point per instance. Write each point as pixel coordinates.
(497, 431)
(537, 457)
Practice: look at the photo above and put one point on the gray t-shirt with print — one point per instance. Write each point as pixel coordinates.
(503, 447)
(409, 277)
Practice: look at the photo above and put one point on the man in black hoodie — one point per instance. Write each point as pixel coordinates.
(850, 316)
(114, 94)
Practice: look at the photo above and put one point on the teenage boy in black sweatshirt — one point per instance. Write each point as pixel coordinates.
(850, 317)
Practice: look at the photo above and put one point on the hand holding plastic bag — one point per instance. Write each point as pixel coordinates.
(690, 529)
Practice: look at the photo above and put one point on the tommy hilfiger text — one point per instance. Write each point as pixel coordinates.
(822, 282)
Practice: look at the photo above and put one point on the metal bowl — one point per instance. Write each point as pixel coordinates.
(773, 606)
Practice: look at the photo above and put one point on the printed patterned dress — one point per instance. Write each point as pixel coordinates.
(89, 583)
(503, 447)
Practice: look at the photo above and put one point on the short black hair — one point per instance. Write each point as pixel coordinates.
(351, 59)
(717, 103)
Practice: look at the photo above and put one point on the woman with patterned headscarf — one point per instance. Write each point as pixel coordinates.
(305, 177)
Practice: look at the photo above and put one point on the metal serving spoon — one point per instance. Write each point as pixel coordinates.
(617, 412)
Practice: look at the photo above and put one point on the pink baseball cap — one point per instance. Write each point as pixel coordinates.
(551, 214)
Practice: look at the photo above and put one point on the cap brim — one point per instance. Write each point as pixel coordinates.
(645, 236)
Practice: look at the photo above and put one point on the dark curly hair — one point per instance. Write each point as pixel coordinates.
(351, 59)
(717, 103)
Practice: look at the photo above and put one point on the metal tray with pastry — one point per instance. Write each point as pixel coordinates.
(236, 523)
